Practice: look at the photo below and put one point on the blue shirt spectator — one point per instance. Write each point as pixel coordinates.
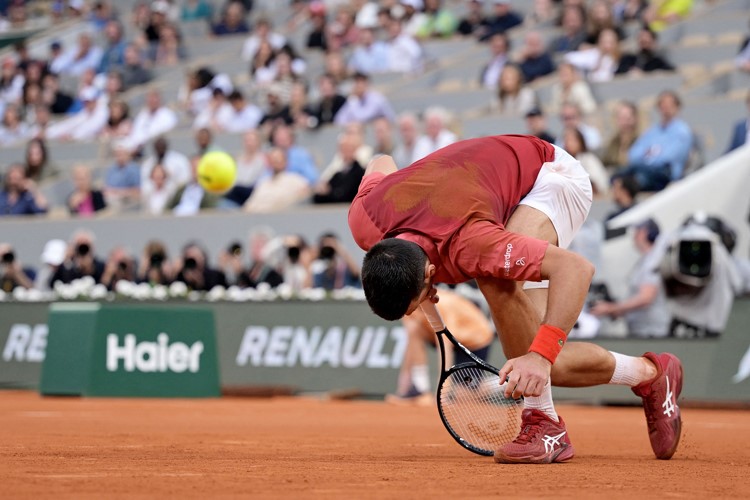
(502, 20)
(364, 105)
(298, 159)
(370, 55)
(536, 61)
(114, 52)
(233, 22)
(124, 173)
(20, 196)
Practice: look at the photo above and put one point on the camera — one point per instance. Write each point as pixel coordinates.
(8, 257)
(156, 259)
(122, 266)
(293, 253)
(83, 249)
(235, 249)
(327, 252)
(191, 263)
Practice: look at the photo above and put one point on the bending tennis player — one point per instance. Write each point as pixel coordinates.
(502, 210)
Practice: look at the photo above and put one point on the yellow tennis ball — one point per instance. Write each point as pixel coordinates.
(217, 172)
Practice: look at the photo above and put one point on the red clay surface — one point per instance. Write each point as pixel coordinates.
(305, 448)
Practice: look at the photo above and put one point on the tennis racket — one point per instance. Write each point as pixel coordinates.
(470, 397)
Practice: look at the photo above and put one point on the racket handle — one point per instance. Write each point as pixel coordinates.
(433, 315)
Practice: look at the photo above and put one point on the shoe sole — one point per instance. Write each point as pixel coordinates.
(560, 456)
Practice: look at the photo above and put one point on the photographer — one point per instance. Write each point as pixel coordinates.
(260, 270)
(81, 260)
(120, 266)
(194, 271)
(12, 274)
(154, 267)
(230, 262)
(334, 268)
(295, 265)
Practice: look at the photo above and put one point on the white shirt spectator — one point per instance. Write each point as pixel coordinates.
(404, 54)
(10, 136)
(76, 67)
(175, 163)
(147, 125)
(155, 200)
(597, 66)
(278, 192)
(209, 116)
(13, 92)
(426, 145)
(276, 40)
(190, 202)
(235, 122)
(491, 74)
(372, 105)
(84, 125)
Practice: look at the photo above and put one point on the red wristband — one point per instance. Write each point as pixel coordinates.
(548, 342)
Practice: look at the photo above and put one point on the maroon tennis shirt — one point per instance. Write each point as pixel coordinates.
(454, 204)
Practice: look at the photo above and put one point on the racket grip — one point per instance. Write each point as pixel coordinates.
(433, 315)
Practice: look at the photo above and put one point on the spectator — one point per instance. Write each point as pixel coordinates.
(232, 22)
(475, 20)
(370, 55)
(86, 125)
(629, 10)
(512, 96)
(647, 59)
(624, 191)
(316, 38)
(195, 271)
(660, 154)
(383, 132)
(436, 134)
(502, 20)
(85, 56)
(298, 159)
(330, 102)
(20, 195)
(58, 101)
(570, 116)
(437, 22)
(333, 267)
(296, 262)
(280, 190)
(535, 60)
(80, 261)
(176, 164)
(277, 111)
(100, 15)
(574, 143)
(210, 116)
(259, 271)
(119, 125)
(298, 106)
(499, 47)
(57, 59)
(191, 198)
(336, 67)
(203, 141)
(598, 63)
(342, 32)
(151, 121)
(122, 180)
(52, 258)
(573, 30)
(12, 273)
(601, 17)
(12, 128)
(262, 33)
(740, 131)
(626, 132)
(113, 56)
(364, 104)
(38, 167)
(408, 127)
(662, 13)
(195, 94)
(154, 266)
(251, 164)
(230, 262)
(157, 189)
(645, 310)
(11, 83)
(262, 68)
(404, 53)
(342, 186)
(196, 10)
(536, 125)
(571, 88)
(120, 266)
(239, 116)
(84, 201)
(169, 49)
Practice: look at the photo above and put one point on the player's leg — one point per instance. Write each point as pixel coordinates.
(413, 377)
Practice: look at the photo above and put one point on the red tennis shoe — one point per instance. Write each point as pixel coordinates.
(541, 441)
(660, 404)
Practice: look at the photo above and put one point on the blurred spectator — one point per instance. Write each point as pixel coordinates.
(624, 191)
(316, 38)
(629, 10)
(154, 266)
(364, 104)
(210, 116)
(120, 266)
(501, 20)
(408, 127)
(203, 141)
(262, 33)
(58, 101)
(336, 67)
(85, 125)
(57, 59)
(570, 116)
(536, 125)
(151, 121)
(259, 271)
(404, 53)
(176, 164)
(12, 128)
(298, 159)
(741, 129)
(195, 271)
(122, 180)
(262, 67)
(119, 125)
(196, 10)
(499, 46)
(626, 132)
(342, 32)
(277, 112)
(100, 15)
(574, 143)
(340, 184)
(474, 20)
(383, 132)
(298, 106)
(573, 30)
(38, 167)
(232, 22)
(437, 21)
(11, 82)
(369, 55)
(512, 96)
(196, 92)
(53, 255)
(251, 164)
(85, 56)
(535, 60)
(20, 195)
(81, 260)
(113, 56)
(660, 154)
(330, 102)
(191, 198)
(571, 88)
(333, 267)
(281, 189)
(601, 17)
(169, 49)
(645, 310)
(598, 63)
(436, 134)
(295, 265)
(648, 58)
(157, 189)
(12, 272)
(231, 262)
(662, 13)
(239, 115)
(84, 201)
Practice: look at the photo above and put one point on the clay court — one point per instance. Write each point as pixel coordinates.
(304, 447)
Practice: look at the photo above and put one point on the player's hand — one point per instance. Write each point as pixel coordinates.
(526, 375)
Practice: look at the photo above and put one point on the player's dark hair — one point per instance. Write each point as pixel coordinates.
(393, 276)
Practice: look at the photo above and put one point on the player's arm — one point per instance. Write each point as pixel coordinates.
(383, 164)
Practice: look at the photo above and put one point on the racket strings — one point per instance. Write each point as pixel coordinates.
(474, 407)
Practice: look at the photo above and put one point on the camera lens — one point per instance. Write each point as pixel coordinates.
(156, 259)
(122, 266)
(327, 252)
(293, 253)
(190, 263)
(83, 249)
(235, 249)
(9, 257)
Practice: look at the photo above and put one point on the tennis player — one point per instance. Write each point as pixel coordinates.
(472, 329)
(503, 210)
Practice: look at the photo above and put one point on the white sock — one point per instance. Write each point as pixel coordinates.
(420, 377)
(543, 403)
(629, 370)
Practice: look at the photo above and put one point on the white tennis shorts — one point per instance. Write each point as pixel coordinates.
(563, 193)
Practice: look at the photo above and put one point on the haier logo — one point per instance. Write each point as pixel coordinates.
(291, 346)
(159, 356)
